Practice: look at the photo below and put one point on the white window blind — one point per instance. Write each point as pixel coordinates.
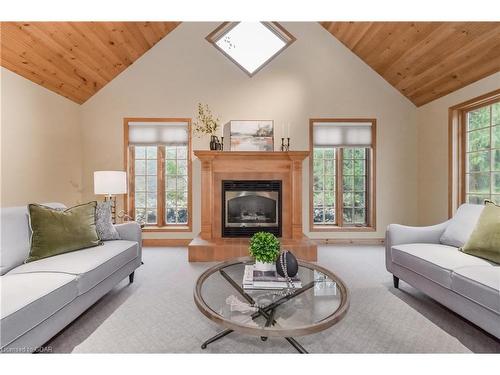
(158, 133)
(342, 134)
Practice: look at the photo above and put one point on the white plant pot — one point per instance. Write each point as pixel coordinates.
(260, 266)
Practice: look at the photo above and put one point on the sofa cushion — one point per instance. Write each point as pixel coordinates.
(480, 284)
(15, 238)
(461, 226)
(434, 261)
(28, 299)
(484, 242)
(56, 232)
(91, 266)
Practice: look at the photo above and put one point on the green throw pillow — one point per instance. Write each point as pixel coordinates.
(56, 232)
(484, 241)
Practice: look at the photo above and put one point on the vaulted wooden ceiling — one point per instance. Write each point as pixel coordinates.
(424, 60)
(76, 59)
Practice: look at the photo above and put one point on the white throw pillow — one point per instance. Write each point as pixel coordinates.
(461, 226)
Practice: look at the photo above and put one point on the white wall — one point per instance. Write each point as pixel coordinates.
(432, 124)
(315, 77)
(41, 144)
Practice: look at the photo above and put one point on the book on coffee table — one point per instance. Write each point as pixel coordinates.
(255, 279)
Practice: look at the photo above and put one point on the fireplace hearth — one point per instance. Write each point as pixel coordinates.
(251, 206)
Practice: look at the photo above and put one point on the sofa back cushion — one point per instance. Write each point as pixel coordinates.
(15, 234)
(461, 226)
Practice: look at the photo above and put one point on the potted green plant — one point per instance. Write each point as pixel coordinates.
(265, 248)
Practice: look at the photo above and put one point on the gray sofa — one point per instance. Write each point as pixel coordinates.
(428, 259)
(38, 299)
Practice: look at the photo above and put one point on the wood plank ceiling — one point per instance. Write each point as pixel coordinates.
(76, 59)
(424, 60)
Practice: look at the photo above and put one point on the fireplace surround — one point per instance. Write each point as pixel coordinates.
(250, 206)
(217, 166)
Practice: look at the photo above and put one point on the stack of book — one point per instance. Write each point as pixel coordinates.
(255, 279)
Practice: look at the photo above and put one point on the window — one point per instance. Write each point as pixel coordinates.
(159, 169)
(475, 151)
(342, 167)
(250, 45)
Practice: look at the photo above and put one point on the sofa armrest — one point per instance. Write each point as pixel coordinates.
(131, 231)
(397, 234)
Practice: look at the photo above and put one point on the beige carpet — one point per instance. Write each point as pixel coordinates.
(156, 314)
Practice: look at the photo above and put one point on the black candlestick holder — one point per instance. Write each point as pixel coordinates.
(285, 147)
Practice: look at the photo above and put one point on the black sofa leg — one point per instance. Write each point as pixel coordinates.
(131, 277)
(395, 281)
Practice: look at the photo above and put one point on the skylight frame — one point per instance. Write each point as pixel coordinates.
(274, 27)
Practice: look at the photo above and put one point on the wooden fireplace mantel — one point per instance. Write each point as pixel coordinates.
(217, 166)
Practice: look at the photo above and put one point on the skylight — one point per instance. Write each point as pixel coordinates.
(250, 45)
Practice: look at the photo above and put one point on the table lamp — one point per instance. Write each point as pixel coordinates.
(109, 184)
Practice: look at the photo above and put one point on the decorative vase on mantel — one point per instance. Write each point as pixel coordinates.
(215, 144)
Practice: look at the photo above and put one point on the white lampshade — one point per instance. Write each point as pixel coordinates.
(110, 182)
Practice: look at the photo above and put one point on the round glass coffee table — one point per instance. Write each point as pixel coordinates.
(322, 301)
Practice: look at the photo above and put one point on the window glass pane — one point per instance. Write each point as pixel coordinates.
(496, 114)
(359, 215)
(329, 167)
(151, 216)
(479, 118)
(348, 167)
(329, 198)
(140, 152)
(140, 200)
(330, 215)
(359, 199)
(171, 167)
(348, 200)
(355, 188)
(171, 152)
(323, 185)
(329, 153)
(348, 183)
(495, 183)
(483, 153)
(182, 152)
(176, 194)
(348, 215)
(479, 182)
(152, 180)
(495, 135)
(140, 167)
(140, 183)
(151, 152)
(151, 167)
(479, 161)
(496, 160)
(145, 183)
(479, 139)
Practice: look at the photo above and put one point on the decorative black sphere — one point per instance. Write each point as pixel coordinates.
(292, 266)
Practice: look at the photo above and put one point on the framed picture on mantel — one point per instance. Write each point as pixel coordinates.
(249, 135)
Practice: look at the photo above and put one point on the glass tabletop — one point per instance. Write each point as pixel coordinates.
(321, 301)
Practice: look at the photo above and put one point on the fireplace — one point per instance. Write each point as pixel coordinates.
(272, 181)
(251, 206)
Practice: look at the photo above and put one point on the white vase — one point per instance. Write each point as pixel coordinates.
(260, 266)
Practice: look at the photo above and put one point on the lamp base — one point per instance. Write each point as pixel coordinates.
(112, 198)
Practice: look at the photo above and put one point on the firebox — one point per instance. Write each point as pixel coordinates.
(251, 206)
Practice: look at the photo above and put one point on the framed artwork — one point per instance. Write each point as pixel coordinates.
(249, 135)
